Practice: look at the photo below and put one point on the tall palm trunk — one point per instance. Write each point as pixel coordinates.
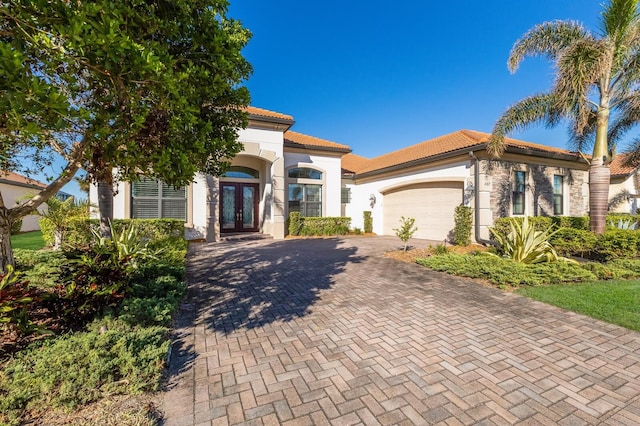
(599, 173)
(105, 205)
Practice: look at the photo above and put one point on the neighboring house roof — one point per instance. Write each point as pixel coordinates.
(352, 162)
(260, 112)
(618, 168)
(298, 140)
(12, 178)
(460, 141)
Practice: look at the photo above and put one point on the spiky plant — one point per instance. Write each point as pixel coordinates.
(597, 77)
(524, 244)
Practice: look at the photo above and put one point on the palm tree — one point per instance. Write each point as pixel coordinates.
(596, 80)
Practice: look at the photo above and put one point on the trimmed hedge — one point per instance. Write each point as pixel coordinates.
(79, 229)
(575, 239)
(313, 226)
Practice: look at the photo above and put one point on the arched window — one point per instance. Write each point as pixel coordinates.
(305, 191)
(305, 173)
(241, 172)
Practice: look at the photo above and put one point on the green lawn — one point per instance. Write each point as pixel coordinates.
(615, 301)
(29, 240)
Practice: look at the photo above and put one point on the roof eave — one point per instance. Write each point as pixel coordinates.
(423, 160)
(288, 144)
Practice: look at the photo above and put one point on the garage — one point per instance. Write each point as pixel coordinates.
(431, 204)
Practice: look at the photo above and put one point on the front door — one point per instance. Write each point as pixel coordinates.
(238, 207)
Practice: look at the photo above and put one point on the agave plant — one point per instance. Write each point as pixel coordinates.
(525, 244)
(625, 224)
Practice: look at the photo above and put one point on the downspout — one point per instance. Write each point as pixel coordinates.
(476, 201)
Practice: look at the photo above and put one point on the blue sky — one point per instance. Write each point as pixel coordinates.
(379, 76)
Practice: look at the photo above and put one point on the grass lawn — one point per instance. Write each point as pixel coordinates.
(29, 240)
(615, 301)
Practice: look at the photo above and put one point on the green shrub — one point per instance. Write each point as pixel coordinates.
(406, 230)
(314, 226)
(440, 249)
(618, 243)
(81, 368)
(325, 226)
(15, 296)
(152, 302)
(574, 242)
(295, 224)
(463, 223)
(368, 222)
(506, 272)
(80, 231)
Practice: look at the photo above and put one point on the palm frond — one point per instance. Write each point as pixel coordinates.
(547, 39)
(540, 108)
(581, 137)
(617, 18)
(632, 158)
(627, 117)
(582, 66)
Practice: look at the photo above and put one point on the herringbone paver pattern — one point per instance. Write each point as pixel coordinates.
(328, 331)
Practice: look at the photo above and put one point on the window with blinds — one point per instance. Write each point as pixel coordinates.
(152, 199)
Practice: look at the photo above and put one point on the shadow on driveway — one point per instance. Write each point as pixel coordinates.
(252, 284)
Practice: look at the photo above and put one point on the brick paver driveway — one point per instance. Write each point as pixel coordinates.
(329, 331)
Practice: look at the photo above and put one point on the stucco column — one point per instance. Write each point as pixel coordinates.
(279, 197)
(213, 208)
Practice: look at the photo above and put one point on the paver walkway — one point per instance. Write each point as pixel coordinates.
(329, 331)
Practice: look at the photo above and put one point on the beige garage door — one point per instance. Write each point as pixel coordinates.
(431, 204)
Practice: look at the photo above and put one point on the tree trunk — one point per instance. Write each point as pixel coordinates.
(599, 178)
(6, 252)
(105, 205)
(599, 172)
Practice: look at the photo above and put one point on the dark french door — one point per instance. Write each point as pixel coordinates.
(239, 207)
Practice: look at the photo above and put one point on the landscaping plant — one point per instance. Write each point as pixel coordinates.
(524, 244)
(463, 222)
(406, 230)
(368, 222)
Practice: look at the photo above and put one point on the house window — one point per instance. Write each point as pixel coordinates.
(152, 199)
(345, 195)
(558, 195)
(305, 173)
(518, 192)
(241, 172)
(306, 199)
(305, 191)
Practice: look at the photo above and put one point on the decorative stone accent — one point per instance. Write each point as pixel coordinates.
(538, 189)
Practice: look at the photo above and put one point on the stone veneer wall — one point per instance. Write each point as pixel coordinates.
(539, 188)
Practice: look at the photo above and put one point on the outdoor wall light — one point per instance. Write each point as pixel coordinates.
(372, 200)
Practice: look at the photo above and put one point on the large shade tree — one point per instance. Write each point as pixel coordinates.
(145, 87)
(596, 84)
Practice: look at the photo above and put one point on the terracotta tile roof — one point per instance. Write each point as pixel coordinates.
(10, 177)
(266, 113)
(451, 142)
(295, 139)
(352, 162)
(618, 168)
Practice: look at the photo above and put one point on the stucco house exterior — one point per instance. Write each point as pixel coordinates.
(428, 180)
(624, 190)
(280, 171)
(16, 188)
